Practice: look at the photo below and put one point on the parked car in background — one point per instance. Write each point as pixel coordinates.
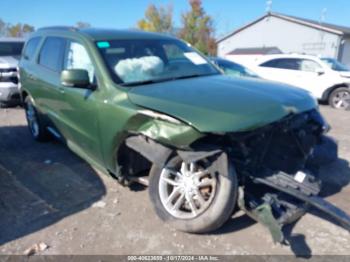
(335, 65)
(326, 79)
(233, 69)
(147, 107)
(10, 52)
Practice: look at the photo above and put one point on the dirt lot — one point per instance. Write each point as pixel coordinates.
(47, 194)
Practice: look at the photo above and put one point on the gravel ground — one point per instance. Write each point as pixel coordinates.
(49, 195)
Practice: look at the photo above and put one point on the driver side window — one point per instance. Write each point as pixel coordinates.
(78, 58)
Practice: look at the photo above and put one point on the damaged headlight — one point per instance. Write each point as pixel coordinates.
(160, 116)
(316, 116)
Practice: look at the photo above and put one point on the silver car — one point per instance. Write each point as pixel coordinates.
(10, 52)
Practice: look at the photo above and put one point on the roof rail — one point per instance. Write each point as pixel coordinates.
(63, 28)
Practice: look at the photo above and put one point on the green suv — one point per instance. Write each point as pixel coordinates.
(148, 108)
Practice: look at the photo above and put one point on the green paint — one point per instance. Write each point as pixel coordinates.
(94, 123)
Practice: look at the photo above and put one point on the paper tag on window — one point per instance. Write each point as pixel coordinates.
(299, 177)
(195, 58)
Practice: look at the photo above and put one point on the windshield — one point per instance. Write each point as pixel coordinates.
(335, 64)
(141, 61)
(11, 48)
(233, 69)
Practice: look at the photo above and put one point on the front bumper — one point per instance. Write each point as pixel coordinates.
(9, 92)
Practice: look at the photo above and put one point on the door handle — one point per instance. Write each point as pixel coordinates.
(31, 77)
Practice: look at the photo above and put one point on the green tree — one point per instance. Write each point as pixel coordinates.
(197, 28)
(19, 30)
(157, 19)
(81, 24)
(3, 28)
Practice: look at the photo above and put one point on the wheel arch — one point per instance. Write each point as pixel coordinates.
(138, 153)
(327, 92)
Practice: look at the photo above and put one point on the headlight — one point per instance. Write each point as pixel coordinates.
(159, 116)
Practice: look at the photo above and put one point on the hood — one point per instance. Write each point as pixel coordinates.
(223, 104)
(8, 62)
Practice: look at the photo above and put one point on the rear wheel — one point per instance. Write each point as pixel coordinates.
(196, 197)
(36, 128)
(340, 98)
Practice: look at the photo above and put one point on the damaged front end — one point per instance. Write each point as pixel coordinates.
(278, 167)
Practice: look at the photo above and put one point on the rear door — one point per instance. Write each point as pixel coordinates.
(46, 76)
(313, 77)
(28, 66)
(80, 105)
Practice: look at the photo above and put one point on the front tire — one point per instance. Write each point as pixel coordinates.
(197, 197)
(340, 98)
(36, 127)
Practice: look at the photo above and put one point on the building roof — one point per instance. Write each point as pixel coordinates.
(256, 51)
(331, 28)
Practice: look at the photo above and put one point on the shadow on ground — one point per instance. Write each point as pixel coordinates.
(40, 183)
(47, 182)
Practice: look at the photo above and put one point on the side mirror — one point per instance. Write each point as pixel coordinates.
(320, 71)
(76, 78)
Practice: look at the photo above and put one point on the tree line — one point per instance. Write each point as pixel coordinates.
(15, 30)
(197, 27)
(23, 29)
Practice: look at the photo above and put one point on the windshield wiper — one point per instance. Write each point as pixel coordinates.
(152, 81)
(193, 76)
(145, 82)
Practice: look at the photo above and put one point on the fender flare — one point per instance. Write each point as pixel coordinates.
(329, 90)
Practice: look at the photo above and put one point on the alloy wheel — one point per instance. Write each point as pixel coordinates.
(341, 100)
(187, 190)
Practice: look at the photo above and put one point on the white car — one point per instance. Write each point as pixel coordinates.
(10, 51)
(327, 79)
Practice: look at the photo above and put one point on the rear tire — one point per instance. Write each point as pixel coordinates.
(35, 124)
(340, 98)
(219, 196)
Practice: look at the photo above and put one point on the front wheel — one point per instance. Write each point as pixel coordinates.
(340, 98)
(194, 197)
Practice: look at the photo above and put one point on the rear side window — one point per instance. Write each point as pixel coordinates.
(284, 63)
(30, 48)
(309, 66)
(52, 52)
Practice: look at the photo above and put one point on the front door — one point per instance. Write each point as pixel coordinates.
(80, 110)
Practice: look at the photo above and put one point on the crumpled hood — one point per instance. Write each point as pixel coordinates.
(223, 104)
(8, 62)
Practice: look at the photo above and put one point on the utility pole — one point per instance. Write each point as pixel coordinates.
(323, 15)
(322, 20)
(268, 6)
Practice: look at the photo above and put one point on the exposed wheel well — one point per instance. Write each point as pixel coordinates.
(130, 162)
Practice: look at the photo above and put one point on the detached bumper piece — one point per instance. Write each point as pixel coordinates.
(285, 200)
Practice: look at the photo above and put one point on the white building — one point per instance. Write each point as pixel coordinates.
(289, 34)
